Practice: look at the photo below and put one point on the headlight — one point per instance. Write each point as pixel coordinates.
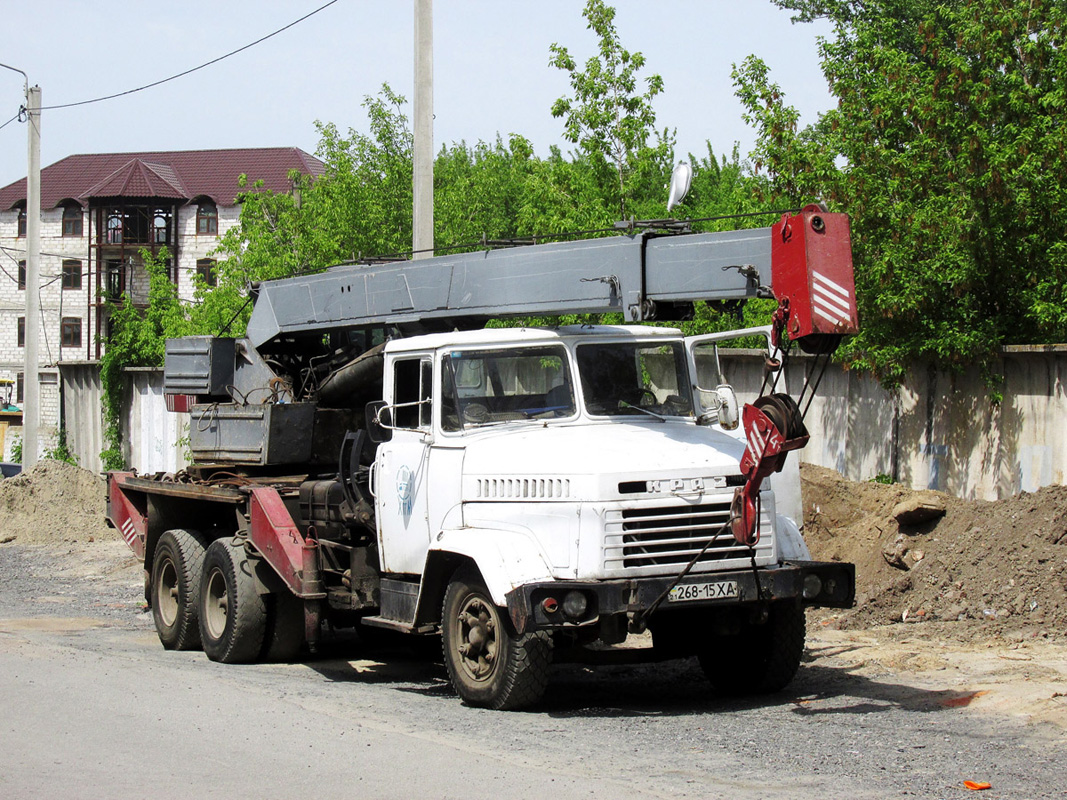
(812, 586)
(575, 605)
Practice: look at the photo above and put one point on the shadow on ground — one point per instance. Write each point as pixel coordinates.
(664, 688)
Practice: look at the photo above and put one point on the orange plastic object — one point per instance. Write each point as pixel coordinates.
(977, 785)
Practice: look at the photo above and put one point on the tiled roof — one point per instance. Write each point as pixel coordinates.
(179, 174)
(138, 179)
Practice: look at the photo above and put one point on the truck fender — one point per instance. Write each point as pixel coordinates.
(791, 544)
(506, 559)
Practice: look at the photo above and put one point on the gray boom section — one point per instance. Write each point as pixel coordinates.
(617, 274)
(702, 266)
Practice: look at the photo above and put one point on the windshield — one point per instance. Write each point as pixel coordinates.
(635, 378)
(482, 387)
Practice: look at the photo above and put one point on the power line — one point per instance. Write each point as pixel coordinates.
(188, 71)
(19, 114)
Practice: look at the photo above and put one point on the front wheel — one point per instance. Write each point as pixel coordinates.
(233, 616)
(488, 663)
(762, 658)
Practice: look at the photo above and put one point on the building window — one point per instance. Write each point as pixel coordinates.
(22, 332)
(205, 268)
(72, 274)
(22, 274)
(207, 219)
(22, 221)
(116, 280)
(160, 224)
(71, 332)
(20, 389)
(72, 220)
(114, 229)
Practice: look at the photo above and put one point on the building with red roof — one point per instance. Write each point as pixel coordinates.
(98, 213)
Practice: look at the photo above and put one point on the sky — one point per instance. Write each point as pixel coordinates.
(491, 72)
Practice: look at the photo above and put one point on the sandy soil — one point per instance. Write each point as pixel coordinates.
(969, 608)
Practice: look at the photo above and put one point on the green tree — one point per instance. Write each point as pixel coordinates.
(362, 205)
(610, 120)
(947, 146)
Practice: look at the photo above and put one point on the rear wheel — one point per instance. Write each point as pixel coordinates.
(762, 658)
(488, 663)
(232, 613)
(175, 589)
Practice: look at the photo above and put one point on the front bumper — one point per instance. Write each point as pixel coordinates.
(527, 607)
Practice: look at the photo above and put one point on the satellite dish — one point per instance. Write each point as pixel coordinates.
(680, 180)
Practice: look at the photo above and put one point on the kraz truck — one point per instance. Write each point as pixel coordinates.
(372, 455)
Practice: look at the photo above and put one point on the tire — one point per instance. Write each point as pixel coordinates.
(284, 635)
(490, 665)
(761, 659)
(233, 616)
(175, 589)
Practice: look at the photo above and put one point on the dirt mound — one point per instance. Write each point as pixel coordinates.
(53, 503)
(999, 566)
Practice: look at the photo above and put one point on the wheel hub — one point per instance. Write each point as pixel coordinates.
(477, 629)
(216, 605)
(167, 593)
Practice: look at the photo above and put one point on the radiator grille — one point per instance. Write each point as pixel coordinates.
(673, 535)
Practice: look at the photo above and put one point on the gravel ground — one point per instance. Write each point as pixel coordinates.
(102, 580)
(845, 727)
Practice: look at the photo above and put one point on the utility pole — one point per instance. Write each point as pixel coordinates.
(31, 412)
(422, 174)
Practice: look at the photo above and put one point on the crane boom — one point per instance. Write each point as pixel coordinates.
(634, 274)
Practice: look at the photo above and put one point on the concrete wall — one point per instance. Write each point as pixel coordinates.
(957, 441)
(154, 439)
(940, 430)
(83, 412)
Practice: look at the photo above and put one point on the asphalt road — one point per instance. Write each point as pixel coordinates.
(94, 707)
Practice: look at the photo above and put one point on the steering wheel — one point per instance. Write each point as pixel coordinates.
(475, 413)
(647, 398)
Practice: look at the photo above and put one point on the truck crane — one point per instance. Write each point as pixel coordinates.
(371, 455)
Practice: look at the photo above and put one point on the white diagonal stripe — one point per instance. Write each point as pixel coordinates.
(832, 301)
(841, 290)
(827, 317)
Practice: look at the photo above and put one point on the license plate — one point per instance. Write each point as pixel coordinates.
(721, 590)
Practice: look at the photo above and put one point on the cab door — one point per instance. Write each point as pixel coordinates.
(708, 371)
(402, 465)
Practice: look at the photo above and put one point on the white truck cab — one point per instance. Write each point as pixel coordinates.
(568, 476)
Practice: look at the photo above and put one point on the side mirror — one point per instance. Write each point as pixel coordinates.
(379, 419)
(724, 410)
(729, 417)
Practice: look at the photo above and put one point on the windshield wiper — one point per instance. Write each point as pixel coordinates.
(624, 404)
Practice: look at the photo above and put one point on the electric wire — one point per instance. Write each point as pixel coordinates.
(192, 70)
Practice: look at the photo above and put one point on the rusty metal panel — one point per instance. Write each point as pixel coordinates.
(278, 540)
(281, 433)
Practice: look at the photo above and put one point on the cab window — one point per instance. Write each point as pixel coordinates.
(413, 393)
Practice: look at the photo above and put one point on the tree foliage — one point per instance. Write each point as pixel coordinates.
(947, 148)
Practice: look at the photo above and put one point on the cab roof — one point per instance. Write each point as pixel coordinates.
(501, 336)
